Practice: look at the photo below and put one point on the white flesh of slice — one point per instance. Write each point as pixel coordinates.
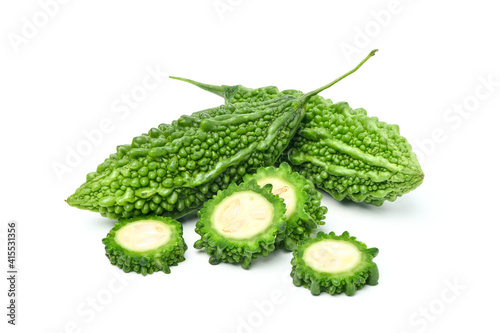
(144, 235)
(331, 256)
(284, 190)
(242, 215)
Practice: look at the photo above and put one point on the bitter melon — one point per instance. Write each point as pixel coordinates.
(304, 212)
(334, 264)
(353, 156)
(145, 244)
(241, 223)
(174, 168)
(343, 151)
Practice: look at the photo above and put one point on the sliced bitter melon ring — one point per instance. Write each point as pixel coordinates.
(240, 224)
(334, 264)
(304, 212)
(145, 244)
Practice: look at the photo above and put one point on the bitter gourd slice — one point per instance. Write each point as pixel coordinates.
(145, 244)
(241, 223)
(304, 212)
(334, 264)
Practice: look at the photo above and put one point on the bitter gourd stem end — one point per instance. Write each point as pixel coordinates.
(307, 96)
(217, 90)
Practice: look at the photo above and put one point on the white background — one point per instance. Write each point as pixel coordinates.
(69, 75)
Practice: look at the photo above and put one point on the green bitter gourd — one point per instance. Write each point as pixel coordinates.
(348, 154)
(174, 168)
(334, 264)
(241, 223)
(304, 212)
(351, 155)
(343, 151)
(145, 244)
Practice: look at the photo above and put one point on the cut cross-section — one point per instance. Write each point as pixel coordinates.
(285, 190)
(241, 223)
(304, 212)
(145, 244)
(334, 264)
(143, 235)
(242, 215)
(332, 256)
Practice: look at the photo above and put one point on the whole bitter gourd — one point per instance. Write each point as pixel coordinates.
(304, 212)
(173, 169)
(351, 155)
(343, 151)
(334, 264)
(241, 223)
(145, 244)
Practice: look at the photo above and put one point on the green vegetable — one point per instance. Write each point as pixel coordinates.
(145, 244)
(343, 151)
(351, 155)
(304, 212)
(241, 223)
(334, 264)
(174, 168)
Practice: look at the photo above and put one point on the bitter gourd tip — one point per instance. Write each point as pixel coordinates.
(217, 90)
(229, 92)
(304, 98)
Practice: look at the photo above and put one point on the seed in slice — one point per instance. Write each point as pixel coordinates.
(334, 264)
(332, 256)
(145, 244)
(304, 212)
(242, 215)
(241, 223)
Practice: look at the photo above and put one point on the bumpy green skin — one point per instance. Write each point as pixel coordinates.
(343, 151)
(243, 251)
(159, 259)
(173, 169)
(308, 214)
(351, 155)
(366, 272)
